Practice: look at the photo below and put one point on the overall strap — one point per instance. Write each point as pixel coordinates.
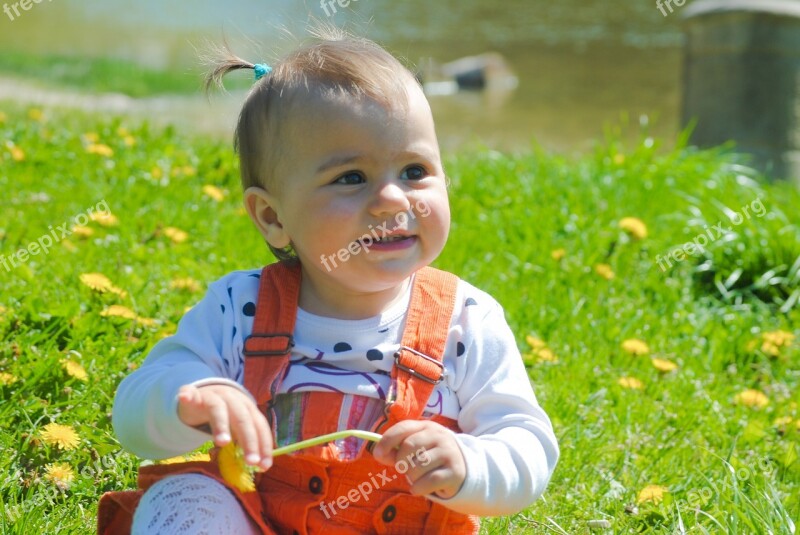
(418, 364)
(267, 349)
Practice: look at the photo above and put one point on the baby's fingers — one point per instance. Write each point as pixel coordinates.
(218, 419)
(264, 434)
(245, 431)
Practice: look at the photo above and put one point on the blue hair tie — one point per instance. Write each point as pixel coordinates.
(262, 69)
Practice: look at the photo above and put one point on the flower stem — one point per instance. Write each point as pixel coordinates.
(330, 437)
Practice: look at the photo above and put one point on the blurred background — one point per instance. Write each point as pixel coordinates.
(581, 67)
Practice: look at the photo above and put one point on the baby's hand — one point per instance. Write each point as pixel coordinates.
(231, 414)
(436, 464)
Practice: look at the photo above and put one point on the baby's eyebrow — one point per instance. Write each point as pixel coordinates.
(337, 161)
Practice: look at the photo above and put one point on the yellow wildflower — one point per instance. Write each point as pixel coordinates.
(630, 382)
(7, 378)
(82, 231)
(74, 369)
(156, 172)
(60, 436)
(119, 311)
(778, 338)
(651, 493)
(100, 149)
(35, 114)
(175, 234)
(17, 154)
(69, 246)
(635, 346)
(186, 283)
(619, 159)
(635, 227)
(233, 468)
(106, 219)
(752, 398)
(241, 211)
(546, 355)
(214, 192)
(61, 474)
(100, 283)
(122, 131)
(534, 342)
(558, 254)
(129, 141)
(664, 365)
(91, 138)
(605, 271)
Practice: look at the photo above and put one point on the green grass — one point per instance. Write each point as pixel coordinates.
(107, 75)
(728, 468)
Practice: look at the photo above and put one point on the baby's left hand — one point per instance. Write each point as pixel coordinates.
(436, 464)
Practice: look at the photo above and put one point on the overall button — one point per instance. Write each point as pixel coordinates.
(389, 513)
(315, 485)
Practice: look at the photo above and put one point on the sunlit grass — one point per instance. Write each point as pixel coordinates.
(530, 229)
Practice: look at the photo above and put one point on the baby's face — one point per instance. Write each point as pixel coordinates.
(352, 173)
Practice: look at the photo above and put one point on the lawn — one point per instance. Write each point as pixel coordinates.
(673, 392)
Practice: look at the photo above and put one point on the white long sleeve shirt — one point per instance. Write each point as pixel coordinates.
(507, 439)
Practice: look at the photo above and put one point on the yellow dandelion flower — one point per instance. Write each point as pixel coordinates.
(534, 342)
(7, 379)
(635, 227)
(651, 493)
(122, 131)
(61, 474)
(119, 311)
(61, 436)
(782, 422)
(751, 398)
(129, 141)
(156, 172)
(558, 254)
(186, 283)
(35, 114)
(188, 170)
(100, 149)
(91, 138)
(233, 468)
(546, 355)
(147, 322)
(214, 192)
(664, 365)
(175, 234)
(17, 154)
(69, 246)
(241, 211)
(100, 283)
(74, 369)
(106, 219)
(770, 349)
(635, 346)
(605, 271)
(778, 338)
(82, 231)
(630, 382)
(619, 159)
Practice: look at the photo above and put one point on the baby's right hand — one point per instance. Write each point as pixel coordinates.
(231, 414)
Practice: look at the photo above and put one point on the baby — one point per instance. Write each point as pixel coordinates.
(351, 329)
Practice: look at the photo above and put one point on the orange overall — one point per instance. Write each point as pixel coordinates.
(314, 490)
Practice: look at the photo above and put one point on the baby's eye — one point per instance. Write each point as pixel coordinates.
(349, 179)
(415, 172)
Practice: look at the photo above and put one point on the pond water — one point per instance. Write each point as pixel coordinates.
(580, 64)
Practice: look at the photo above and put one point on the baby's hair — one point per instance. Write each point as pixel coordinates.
(334, 63)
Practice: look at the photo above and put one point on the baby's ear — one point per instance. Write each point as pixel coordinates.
(264, 211)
